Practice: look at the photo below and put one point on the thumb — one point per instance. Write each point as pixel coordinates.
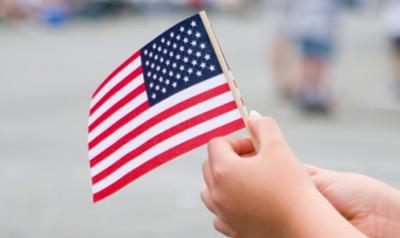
(265, 129)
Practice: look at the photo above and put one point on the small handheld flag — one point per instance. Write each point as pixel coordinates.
(171, 96)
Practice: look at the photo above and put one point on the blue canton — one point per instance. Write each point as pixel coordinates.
(177, 59)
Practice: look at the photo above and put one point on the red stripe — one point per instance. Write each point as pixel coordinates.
(122, 102)
(156, 119)
(167, 156)
(163, 136)
(131, 115)
(116, 71)
(133, 75)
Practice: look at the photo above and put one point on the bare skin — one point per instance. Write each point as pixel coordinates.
(268, 193)
(370, 205)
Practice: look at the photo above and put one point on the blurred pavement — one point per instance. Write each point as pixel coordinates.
(48, 75)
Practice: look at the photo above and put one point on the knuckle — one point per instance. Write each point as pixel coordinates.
(220, 172)
(213, 142)
(216, 225)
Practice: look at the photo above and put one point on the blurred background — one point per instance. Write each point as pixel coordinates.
(327, 70)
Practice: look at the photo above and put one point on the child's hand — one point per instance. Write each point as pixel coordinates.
(370, 205)
(266, 194)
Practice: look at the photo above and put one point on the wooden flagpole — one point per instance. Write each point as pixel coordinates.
(228, 75)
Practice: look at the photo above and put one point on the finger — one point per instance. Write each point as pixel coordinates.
(325, 178)
(311, 169)
(207, 174)
(241, 145)
(206, 198)
(223, 228)
(265, 129)
(220, 153)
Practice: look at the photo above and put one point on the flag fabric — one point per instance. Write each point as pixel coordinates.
(169, 97)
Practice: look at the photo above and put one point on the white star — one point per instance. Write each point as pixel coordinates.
(145, 52)
(147, 63)
(163, 90)
(186, 78)
(174, 84)
(198, 35)
(161, 79)
(154, 45)
(194, 62)
(151, 54)
(182, 29)
(156, 57)
(152, 65)
(171, 34)
(185, 40)
(178, 76)
(182, 67)
(207, 57)
(154, 76)
(193, 24)
(189, 32)
(190, 51)
(171, 54)
(174, 65)
(148, 74)
(182, 48)
(211, 68)
(153, 96)
(174, 45)
(161, 59)
(171, 73)
(164, 71)
(167, 62)
(159, 48)
(198, 73)
(157, 87)
(190, 70)
(194, 43)
(167, 82)
(168, 43)
(198, 54)
(151, 85)
(178, 37)
(203, 65)
(165, 51)
(178, 57)
(162, 40)
(186, 59)
(202, 45)
(158, 68)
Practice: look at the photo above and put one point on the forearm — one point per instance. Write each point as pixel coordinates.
(316, 217)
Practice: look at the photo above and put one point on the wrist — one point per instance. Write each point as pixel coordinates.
(314, 216)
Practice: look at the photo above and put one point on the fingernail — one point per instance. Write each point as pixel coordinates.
(255, 115)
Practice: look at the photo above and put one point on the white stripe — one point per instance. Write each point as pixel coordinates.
(167, 144)
(116, 97)
(130, 106)
(161, 127)
(116, 79)
(156, 109)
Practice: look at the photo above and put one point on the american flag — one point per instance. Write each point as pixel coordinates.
(169, 97)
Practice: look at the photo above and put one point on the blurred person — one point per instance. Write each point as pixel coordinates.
(55, 12)
(269, 193)
(309, 29)
(392, 17)
(14, 10)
